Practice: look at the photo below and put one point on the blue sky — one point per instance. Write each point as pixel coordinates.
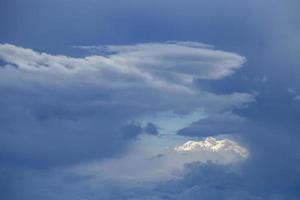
(98, 96)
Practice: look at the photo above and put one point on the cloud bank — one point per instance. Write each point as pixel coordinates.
(79, 105)
(151, 163)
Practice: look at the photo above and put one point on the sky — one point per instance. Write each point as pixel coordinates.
(154, 100)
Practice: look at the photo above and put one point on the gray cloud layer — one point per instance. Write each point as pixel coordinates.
(266, 32)
(60, 109)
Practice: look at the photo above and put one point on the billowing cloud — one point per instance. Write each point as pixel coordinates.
(157, 161)
(142, 174)
(62, 109)
(52, 114)
(211, 144)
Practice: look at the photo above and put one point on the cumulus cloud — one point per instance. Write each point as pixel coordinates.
(80, 105)
(98, 119)
(211, 144)
(199, 180)
(81, 118)
(157, 161)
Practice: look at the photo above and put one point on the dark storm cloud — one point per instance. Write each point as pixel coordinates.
(151, 129)
(131, 131)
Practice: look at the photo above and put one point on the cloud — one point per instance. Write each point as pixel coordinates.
(60, 109)
(157, 161)
(151, 129)
(177, 61)
(207, 181)
(211, 144)
(158, 64)
(216, 124)
(251, 28)
(297, 98)
(131, 131)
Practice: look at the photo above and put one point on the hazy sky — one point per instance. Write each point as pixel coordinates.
(161, 99)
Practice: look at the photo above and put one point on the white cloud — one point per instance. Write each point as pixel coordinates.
(154, 70)
(177, 60)
(158, 160)
(161, 65)
(211, 144)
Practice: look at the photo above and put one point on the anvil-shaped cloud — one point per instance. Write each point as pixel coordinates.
(166, 65)
(51, 94)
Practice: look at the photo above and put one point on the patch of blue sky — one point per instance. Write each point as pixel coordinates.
(170, 122)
